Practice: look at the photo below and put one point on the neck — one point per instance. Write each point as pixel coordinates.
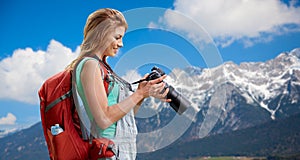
(103, 60)
(99, 56)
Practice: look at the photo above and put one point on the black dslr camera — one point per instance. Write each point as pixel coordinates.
(178, 103)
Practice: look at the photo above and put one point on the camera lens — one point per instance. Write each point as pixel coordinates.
(178, 103)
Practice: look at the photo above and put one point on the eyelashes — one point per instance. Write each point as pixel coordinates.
(118, 37)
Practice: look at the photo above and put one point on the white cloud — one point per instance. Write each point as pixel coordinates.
(10, 119)
(23, 73)
(152, 25)
(251, 21)
(132, 76)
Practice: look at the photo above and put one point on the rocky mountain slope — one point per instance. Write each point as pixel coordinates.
(25, 144)
(278, 139)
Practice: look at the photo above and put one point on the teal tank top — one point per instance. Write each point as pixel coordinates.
(112, 99)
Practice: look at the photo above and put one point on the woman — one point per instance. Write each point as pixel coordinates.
(112, 115)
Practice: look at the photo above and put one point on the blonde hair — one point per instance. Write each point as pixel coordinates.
(98, 26)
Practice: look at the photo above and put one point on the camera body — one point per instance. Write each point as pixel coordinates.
(179, 103)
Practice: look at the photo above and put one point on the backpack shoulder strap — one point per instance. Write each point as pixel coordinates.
(106, 74)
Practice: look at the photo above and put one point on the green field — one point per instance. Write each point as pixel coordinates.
(229, 158)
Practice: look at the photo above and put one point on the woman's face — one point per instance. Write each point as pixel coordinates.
(116, 42)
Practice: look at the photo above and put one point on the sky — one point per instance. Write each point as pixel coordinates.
(39, 38)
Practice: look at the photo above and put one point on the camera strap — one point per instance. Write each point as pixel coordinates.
(139, 81)
(127, 84)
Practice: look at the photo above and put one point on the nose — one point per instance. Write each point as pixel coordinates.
(120, 43)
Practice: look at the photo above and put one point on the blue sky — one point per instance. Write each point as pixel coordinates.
(38, 38)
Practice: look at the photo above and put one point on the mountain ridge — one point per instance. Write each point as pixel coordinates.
(226, 99)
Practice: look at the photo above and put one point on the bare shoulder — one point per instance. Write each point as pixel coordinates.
(90, 67)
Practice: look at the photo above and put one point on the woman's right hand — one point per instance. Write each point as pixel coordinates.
(154, 88)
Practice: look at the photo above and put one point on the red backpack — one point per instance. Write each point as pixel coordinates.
(57, 107)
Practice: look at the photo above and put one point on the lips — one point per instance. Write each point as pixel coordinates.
(116, 50)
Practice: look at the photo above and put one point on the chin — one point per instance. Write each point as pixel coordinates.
(113, 54)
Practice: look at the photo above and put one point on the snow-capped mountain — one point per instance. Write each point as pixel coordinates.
(258, 82)
(231, 96)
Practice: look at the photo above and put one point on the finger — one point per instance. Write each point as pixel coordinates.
(165, 93)
(146, 75)
(158, 88)
(160, 92)
(166, 100)
(160, 79)
(163, 77)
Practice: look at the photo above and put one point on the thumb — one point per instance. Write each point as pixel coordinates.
(146, 75)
